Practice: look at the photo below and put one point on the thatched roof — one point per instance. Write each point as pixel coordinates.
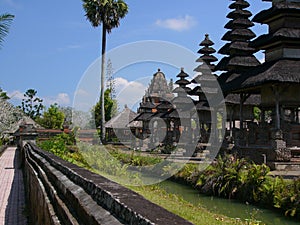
(277, 8)
(239, 54)
(121, 120)
(207, 50)
(236, 46)
(240, 22)
(234, 99)
(147, 105)
(239, 4)
(239, 13)
(279, 71)
(143, 116)
(281, 34)
(243, 33)
(235, 62)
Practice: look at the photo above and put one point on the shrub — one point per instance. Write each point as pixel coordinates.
(252, 180)
(287, 197)
(62, 145)
(236, 178)
(224, 177)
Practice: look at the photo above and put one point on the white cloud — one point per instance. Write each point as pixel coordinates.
(177, 24)
(61, 99)
(129, 92)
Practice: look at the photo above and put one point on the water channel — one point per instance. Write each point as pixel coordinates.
(229, 208)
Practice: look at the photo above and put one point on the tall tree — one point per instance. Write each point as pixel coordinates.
(31, 104)
(107, 13)
(110, 109)
(53, 118)
(5, 21)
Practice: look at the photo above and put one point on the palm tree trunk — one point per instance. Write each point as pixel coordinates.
(102, 83)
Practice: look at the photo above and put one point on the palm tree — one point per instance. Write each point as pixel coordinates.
(107, 13)
(5, 21)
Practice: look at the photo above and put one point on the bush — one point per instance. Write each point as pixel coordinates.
(223, 178)
(236, 178)
(287, 197)
(62, 145)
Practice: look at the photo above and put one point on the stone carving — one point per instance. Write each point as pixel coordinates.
(283, 155)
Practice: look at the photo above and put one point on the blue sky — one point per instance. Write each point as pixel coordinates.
(51, 45)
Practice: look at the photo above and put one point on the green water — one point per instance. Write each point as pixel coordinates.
(230, 208)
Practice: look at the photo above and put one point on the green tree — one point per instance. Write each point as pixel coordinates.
(3, 95)
(108, 13)
(110, 106)
(5, 21)
(53, 118)
(31, 104)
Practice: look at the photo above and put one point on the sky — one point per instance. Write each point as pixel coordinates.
(52, 47)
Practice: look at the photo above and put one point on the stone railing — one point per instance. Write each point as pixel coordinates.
(59, 192)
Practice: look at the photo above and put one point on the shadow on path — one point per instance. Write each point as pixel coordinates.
(15, 209)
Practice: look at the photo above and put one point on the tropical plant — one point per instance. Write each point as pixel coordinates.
(223, 178)
(252, 181)
(31, 104)
(108, 14)
(110, 108)
(287, 197)
(53, 118)
(5, 21)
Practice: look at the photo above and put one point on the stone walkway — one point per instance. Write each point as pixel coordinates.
(12, 196)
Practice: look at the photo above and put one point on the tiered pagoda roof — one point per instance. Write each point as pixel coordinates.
(281, 45)
(205, 78)
(240, 56)
(181, 91)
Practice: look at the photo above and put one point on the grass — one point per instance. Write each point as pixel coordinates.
(98, 160)
(198, 215)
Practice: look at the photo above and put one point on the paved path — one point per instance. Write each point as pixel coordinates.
(12, 197)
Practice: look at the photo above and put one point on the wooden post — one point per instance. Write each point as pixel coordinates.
(241, 111)
(277, 108)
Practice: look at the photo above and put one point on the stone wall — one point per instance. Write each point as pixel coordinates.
(256, 154)
(63, 193)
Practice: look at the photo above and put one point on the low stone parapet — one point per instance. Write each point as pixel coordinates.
(73, 195)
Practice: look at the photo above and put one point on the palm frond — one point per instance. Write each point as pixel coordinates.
(5, 21)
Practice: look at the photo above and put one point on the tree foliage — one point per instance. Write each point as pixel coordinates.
(53, 118)
(31, 104)
(5, 21)
(110, 106)
(3, 95)
(105, 12)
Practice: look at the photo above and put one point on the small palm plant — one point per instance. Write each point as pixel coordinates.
(5, 21)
